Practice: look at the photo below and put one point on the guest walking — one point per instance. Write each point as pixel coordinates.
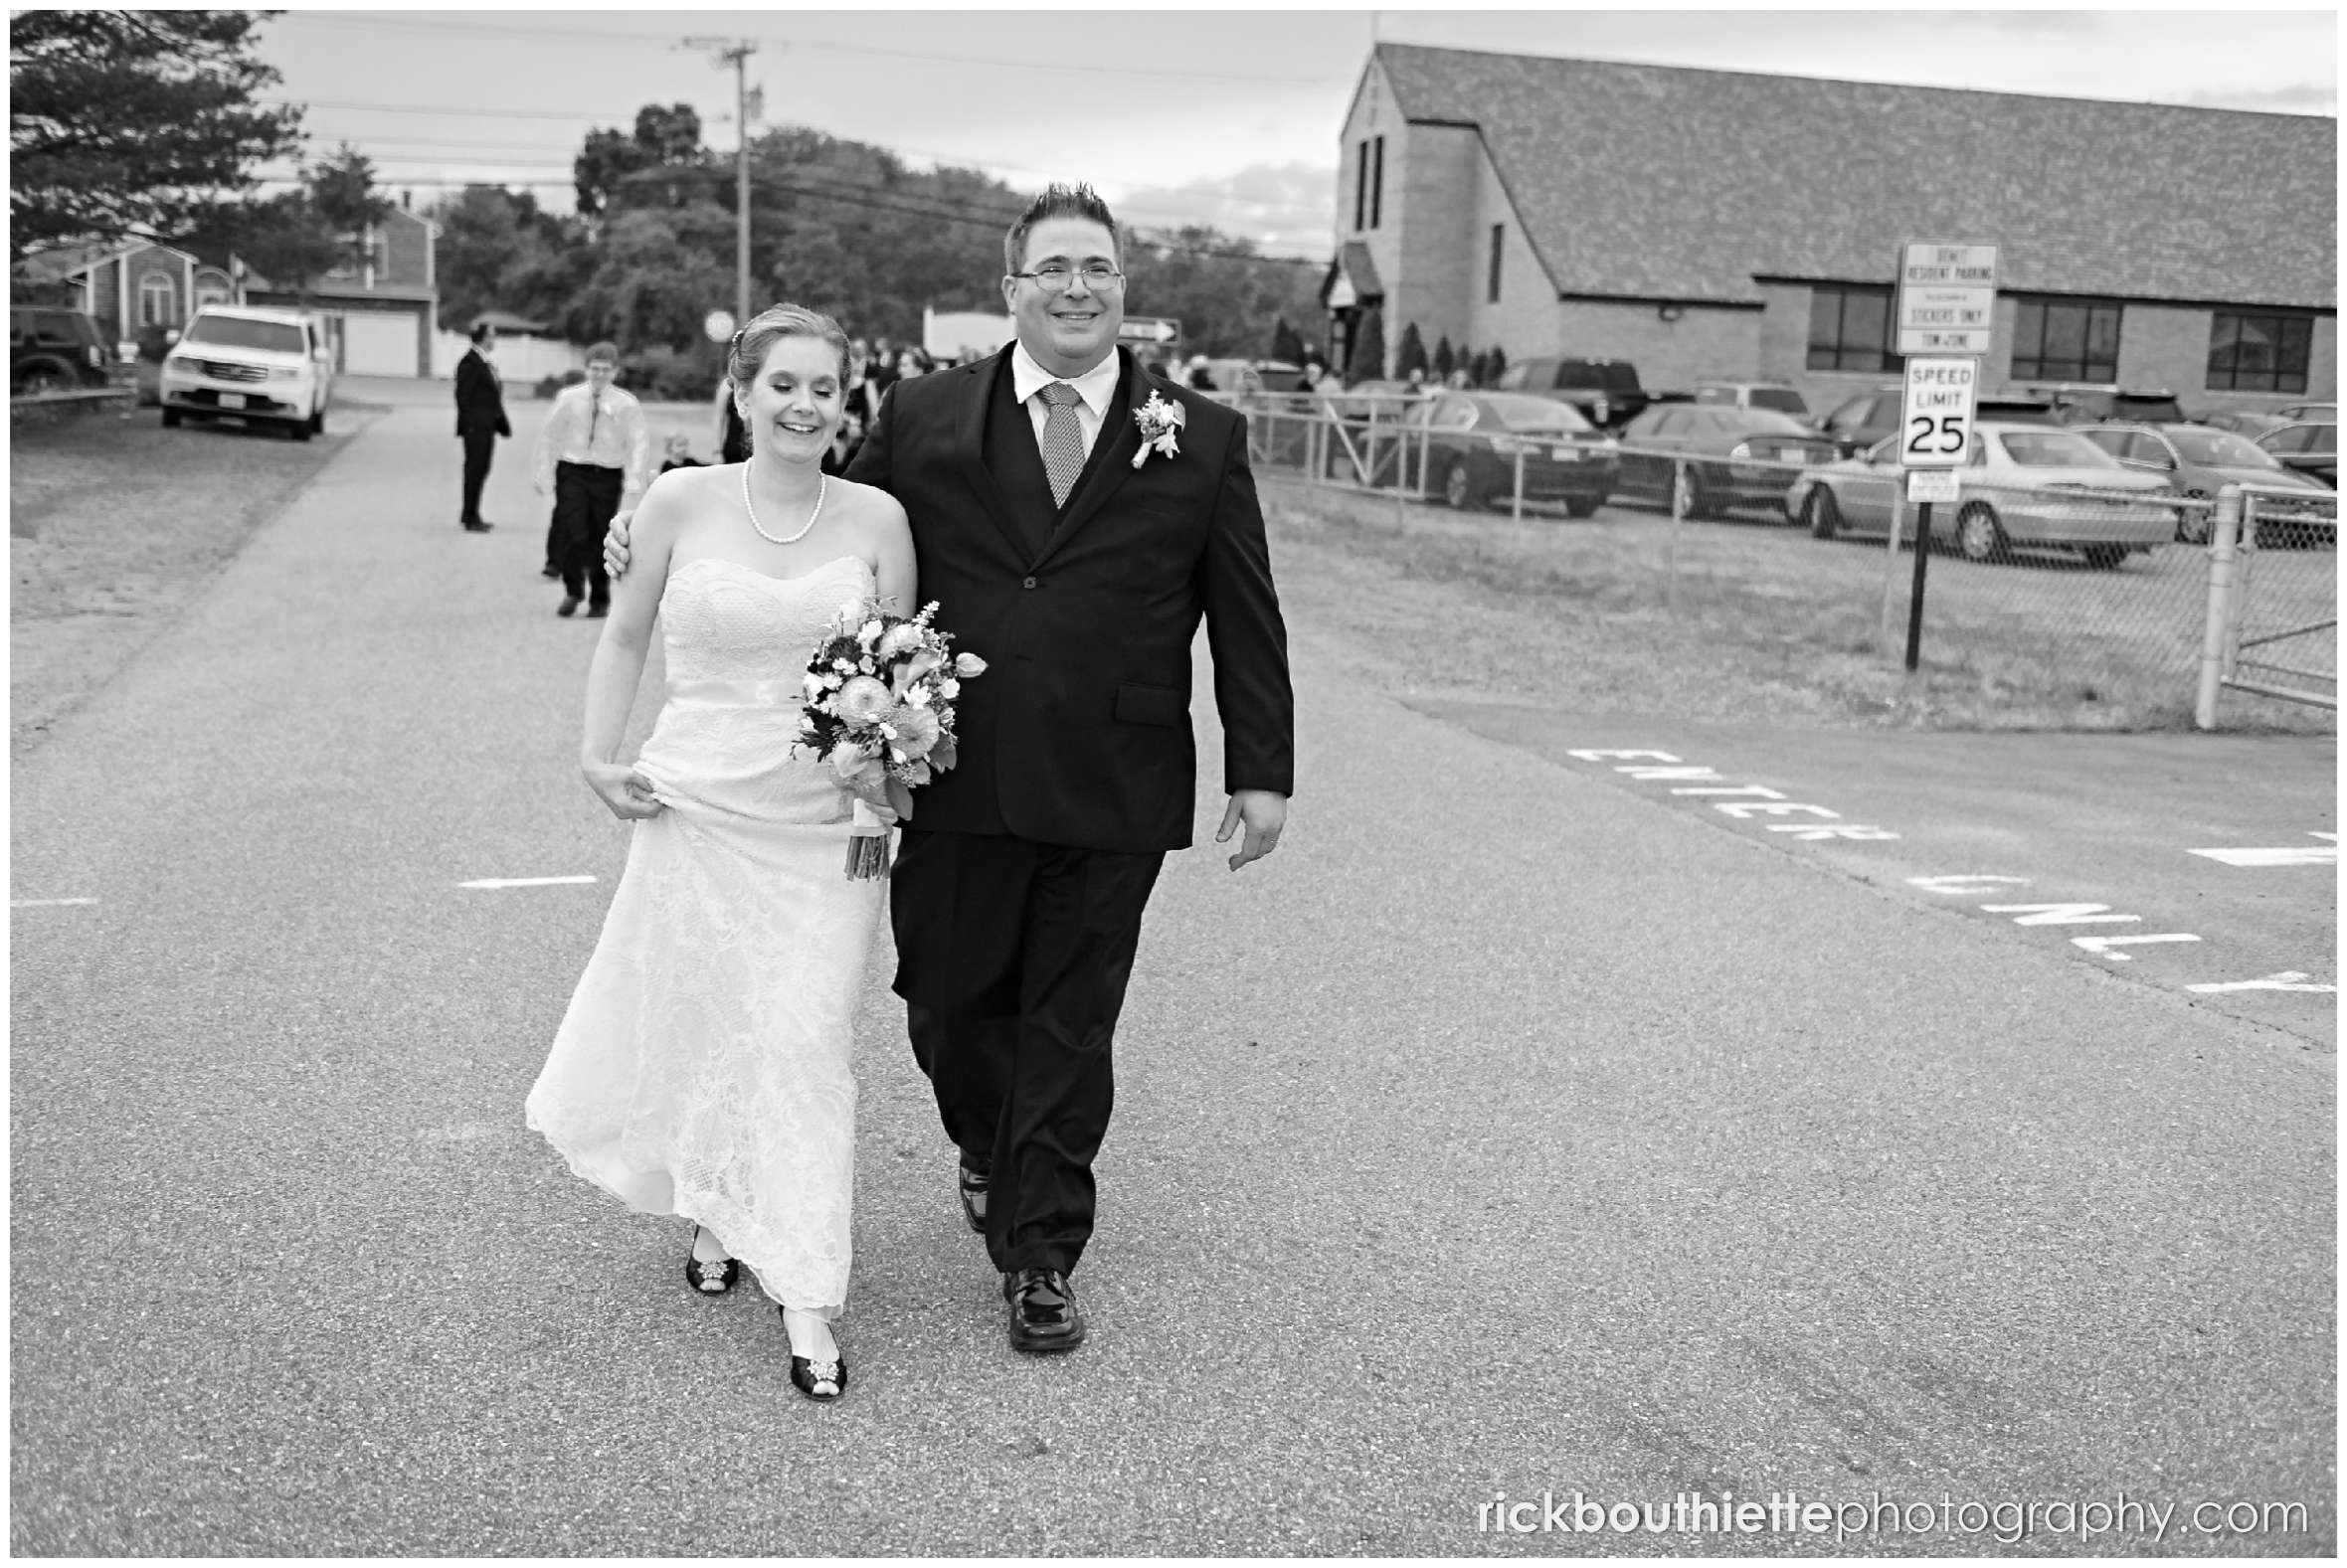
(591, 456)
(480, 420)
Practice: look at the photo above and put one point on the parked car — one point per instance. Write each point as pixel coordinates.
(1606, 391)
(52, 349)
(2020, 488)
(1859, 421)
(1472, 439)
(2310, 448)
(263, 366)
(2198, 462)
(1248, 375)
(2088, 402)
(1757, 395)
(2309, 413)
(2246, 423)
(1731, 434)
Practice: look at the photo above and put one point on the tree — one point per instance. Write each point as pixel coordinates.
(606, 157)
(1479, 369)
(282, 236)
(669, 135)
(1286, 346)
(1412, 353)
(1444, 360)
(133, 123)
(1499, 364)
(1366, 362)
(342, 192)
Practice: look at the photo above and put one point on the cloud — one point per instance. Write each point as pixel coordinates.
(1288, 208)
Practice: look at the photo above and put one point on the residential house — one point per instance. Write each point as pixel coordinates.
(380, 302)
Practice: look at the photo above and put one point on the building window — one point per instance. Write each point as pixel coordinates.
(1376, 181)
(1850, 327)
(2250, 353)
(2065, 340)
(1360, 190)
(1491, 289)
(156, 300)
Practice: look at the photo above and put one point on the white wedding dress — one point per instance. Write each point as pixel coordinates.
(703, 1068)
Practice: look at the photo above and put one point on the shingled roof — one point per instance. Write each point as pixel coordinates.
(1662, 183)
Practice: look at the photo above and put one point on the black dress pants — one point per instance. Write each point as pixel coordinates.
(1012, 959)
(480, 444)
(586, 499)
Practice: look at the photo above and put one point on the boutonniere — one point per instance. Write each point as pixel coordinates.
(1161, 422)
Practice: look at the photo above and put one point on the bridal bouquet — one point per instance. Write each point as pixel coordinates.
(879, 711)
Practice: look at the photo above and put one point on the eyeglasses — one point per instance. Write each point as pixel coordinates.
(1053, 278)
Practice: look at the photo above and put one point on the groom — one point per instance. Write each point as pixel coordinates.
(1081, 578)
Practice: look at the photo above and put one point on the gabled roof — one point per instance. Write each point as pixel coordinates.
(1359, 270)
(44, 267)
(1662, 183)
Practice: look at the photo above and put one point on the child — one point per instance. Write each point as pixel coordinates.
(680, 455)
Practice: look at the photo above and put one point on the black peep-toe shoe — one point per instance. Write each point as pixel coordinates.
(820, 1381)
(709, 1277)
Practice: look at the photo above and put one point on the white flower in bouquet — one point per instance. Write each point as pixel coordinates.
(869, 632)
(949, 688)
(902, 637)
(916, 729)
(969, 664)
(847, 758)
(863, 699)
(918, 697)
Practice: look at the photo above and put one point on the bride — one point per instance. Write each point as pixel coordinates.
(703, 1067)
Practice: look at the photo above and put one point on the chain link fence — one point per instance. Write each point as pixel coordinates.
(2030, 585)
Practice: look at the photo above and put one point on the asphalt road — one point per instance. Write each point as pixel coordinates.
(1512, 1131)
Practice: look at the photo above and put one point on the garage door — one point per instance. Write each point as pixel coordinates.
(378, 345)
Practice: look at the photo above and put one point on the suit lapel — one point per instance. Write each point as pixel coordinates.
(1112, 453)
(969, 436)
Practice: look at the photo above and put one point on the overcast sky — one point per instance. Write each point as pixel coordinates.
(1197, 114)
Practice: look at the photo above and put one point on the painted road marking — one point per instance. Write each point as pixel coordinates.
(2100, 945)
(2060, 914)
(1742, 802)
(47, 903)
(2291, 855)
(527, 882)
(2285, 980)
(1962, 883)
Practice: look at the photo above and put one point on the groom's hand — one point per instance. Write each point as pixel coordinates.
(614, 546)
(1264, 812)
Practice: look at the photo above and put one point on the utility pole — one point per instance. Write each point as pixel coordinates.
(736, 52)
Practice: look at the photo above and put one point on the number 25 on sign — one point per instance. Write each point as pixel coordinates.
(1935, 417)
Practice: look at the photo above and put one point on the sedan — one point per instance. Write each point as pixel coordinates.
(1749, 445)
(1469, 447)
(2246, 423)
(2199, 461)
(2029, 485)
(2310, 448)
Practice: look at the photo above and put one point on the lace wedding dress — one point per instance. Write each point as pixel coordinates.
(703, 1068)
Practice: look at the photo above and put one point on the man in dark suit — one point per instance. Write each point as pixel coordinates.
(1081, 578)
(480, 420)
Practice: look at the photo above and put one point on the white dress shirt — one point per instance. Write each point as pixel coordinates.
(620, 437)
(1097, 387)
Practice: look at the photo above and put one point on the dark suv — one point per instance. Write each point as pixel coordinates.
(1606, 391)
(52, 349)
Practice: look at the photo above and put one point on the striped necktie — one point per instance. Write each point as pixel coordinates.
(1063, 440)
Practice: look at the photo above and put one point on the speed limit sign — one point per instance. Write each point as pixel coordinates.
(1936, 418)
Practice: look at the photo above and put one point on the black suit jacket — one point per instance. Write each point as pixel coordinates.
(480, 404)
(1079, 732)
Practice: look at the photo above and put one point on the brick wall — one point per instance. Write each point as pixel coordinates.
(1703, 341)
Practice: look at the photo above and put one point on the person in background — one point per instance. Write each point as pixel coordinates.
(1200, 379)
(846, 437)
(480, 421)
(679, 454)
(733, 436)
(591, 456)
(913, 362)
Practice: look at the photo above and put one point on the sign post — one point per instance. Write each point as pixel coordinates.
(1946, 306)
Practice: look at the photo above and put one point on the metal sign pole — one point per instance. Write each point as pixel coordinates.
(1914, 642)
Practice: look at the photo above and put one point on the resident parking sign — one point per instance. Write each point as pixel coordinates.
(1936, 418)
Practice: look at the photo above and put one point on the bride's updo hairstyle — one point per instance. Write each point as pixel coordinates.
(760, 333)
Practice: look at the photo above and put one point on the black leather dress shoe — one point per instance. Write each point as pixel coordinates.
(569, 607)
(482, 527)
(1043, 1313)
(974, 1199)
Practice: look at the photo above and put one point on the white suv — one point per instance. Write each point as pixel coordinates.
(263, 366)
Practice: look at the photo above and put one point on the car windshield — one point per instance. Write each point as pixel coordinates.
(1533, 414)
(1765, 421)
(1587, 376)
(273, 337)
(2219, 449)
(1782, 399)
(2053, 450)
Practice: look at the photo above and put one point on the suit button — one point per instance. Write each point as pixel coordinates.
(1030, 582)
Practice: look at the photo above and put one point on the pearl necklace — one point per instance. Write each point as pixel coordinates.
(822, 487)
